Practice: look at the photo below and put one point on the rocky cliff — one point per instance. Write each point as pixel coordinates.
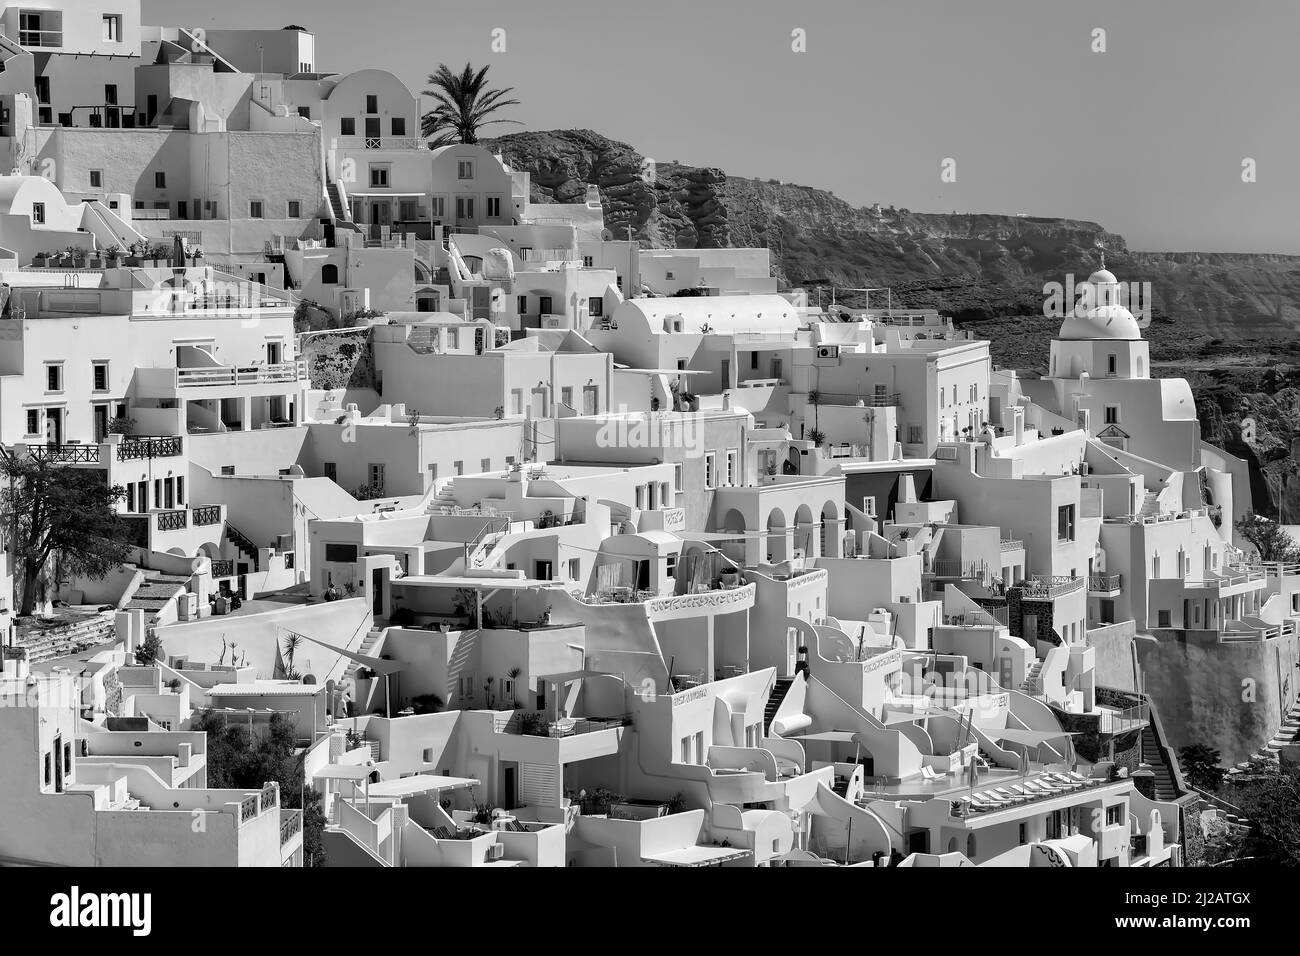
(973, 265)
(1225, 321)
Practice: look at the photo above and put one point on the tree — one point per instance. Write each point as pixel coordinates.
(237, 763)
(63, 513)
(151, 650)
(1272, 543)
(1200, 765)
(463, 104)
(1269, 798)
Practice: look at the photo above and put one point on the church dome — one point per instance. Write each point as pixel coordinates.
(1099, 313)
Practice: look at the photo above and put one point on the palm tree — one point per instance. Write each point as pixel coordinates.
(463, 103)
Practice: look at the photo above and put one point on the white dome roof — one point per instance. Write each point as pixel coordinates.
(1099, 314)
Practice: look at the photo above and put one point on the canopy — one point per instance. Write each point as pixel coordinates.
(696, 856)
(1031, 737)
(419, 783)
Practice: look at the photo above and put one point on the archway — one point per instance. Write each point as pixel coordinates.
(778, 537)
(803, 532)
(832, 527)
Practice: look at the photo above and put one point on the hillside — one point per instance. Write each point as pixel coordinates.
(1228, 322)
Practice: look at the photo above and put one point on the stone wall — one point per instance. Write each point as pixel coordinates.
(1230, 696)
(1018, 607)
(340, 360)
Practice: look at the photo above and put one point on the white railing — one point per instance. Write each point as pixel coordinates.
(377, 142)
(241, 375)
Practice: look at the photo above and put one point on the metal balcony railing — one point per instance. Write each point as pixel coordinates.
(1042, 586)
(205, 515)
(1104, 582)
(131, 449)
(65, 454)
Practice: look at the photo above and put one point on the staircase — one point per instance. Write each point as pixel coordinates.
(1150, 505)
(1153, 754)
(1288, 733)
(1033, 684)
(783, 685)
(342, 217)
(367, 643)
(155, 591)
(242, 543)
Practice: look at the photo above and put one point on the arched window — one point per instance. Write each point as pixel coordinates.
(329, 274)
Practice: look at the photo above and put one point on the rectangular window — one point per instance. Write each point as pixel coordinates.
(96, 179)
(38, 213)
(376, 473)
(566, 395)
(458, 467)
(464, 207)
(398, 125)
(379, 175)
(1162, 618)
(304, 111)
(1111, 364)
(99, 374)
(595, 306)
(1065, 523)
(575, 569)
(255, 210)
(372, 103)
(160, 180)
(465, 169)
(732, 461)
(341, 553)
(110, 94)
(485, 464)
(33, 421)
(493, 207)
(522, 304)
(347, 126)
(54, 377)
(1112, 414)
(587, 262)
(331, 471)
(112, 23)
(709, 464)
(438, 206)
(1114, 814)
(915, 434)
(295, 209)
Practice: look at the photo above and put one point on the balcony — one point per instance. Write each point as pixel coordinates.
(377, 142)
(1043, 587)
(133, 449)
(226, 375)
(40, 38)
(68, 453)
(1104, 585)
(954, 568)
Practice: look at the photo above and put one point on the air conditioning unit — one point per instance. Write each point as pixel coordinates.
(496, 852)
(828, 351)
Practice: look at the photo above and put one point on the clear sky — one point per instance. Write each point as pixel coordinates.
(1147, 138)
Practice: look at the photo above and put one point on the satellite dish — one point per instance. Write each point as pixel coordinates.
(606, 235)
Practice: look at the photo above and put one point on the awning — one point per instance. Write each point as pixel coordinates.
(383, 194)
(350, 771)
(484, 584)
(696, 856)
(418, 784)
(1031, 737)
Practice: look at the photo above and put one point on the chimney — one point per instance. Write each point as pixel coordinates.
(906, 489)
(1018, 423)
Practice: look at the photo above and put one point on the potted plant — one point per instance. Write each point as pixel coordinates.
(77, 257)
(42, 260)
(545, 618)
(818, 436)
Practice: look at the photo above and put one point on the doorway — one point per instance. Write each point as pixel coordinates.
(509, 785)
(101, 422)
(543, 569)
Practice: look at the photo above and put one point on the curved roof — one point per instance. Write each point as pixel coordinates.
(1099, 314)
(719, 313)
